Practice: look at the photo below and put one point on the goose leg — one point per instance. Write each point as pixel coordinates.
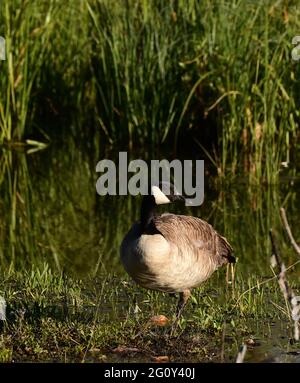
(183, 298)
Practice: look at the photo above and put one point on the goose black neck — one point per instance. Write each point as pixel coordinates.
(147, 212)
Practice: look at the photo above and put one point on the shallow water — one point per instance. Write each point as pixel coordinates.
(277, 348)
(50, 212)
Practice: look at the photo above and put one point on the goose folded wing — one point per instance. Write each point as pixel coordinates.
(193, 232)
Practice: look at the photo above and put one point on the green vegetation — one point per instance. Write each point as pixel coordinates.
(51, 317)
(86, 79)
(149, 72)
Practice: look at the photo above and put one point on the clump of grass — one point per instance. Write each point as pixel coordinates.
(252, 84)
(141, 73)
(27, 30)
(139, 49)
(40, 75)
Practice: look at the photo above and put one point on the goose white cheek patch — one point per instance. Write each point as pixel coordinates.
(160, 197)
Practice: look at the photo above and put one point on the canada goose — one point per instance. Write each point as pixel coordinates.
(172, 253)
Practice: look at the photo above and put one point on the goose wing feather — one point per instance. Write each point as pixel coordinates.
(188, 231)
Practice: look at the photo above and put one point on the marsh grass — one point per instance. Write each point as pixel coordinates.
(251, 69)
(143, 73)
(38, 77)
(51, 317)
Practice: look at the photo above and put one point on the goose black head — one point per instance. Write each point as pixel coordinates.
(166, 193)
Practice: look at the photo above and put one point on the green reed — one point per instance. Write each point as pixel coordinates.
(249, 52)
(146, 73)
(42, 65)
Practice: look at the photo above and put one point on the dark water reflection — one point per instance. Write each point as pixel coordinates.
(50, 210)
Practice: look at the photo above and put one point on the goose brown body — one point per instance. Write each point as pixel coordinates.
(176, 254)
